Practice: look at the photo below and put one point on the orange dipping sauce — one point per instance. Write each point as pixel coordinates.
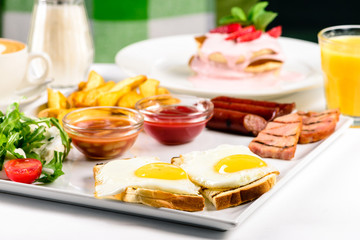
(102, 137)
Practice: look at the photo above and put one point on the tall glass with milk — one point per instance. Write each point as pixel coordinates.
(61, 29)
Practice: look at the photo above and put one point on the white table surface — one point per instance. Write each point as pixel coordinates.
(321, 202)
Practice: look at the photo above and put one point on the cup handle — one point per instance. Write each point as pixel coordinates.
(36, 80)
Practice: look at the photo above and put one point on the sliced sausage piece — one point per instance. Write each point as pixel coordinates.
(279, 138)
(318, 126)
(236, 122)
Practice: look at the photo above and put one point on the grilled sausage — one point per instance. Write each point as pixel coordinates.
(236, 122)
(284, 108)
(268, 113)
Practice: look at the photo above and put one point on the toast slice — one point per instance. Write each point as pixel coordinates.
(233, 197)
(154, 198)
(225, 198)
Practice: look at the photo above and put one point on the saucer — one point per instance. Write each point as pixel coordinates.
(25, 95)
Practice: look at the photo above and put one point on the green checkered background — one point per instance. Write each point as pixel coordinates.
(117, 23)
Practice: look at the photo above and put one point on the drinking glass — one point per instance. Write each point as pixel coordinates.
(340, 62)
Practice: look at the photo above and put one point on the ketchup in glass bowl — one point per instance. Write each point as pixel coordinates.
(174, 119)
(103, 132)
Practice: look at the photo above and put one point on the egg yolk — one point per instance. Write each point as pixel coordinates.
(161, 171)
(238, 162)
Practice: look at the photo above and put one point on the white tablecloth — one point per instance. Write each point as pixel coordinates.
(321, 202)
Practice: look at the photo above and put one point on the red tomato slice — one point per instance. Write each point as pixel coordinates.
(25, 170)
(275, 32)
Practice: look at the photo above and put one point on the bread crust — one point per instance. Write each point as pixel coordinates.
(222, 199)
(225, 198)
(154, 198)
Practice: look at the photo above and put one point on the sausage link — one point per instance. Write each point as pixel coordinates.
(268, 113)
(236, 122)
(284, 108)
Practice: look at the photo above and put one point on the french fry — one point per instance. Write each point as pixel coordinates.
(94, 94)
(94, 80)
(149, 87)
(56, 99)
(162, 90)
(76, 99)
(132, 82)
(111, 98)
(129, 99)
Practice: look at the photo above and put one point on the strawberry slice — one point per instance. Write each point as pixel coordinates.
(249, 36)
(275, 32)
(241, 32)
(232, 27)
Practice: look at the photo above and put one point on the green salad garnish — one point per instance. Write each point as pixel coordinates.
(256, 15)
(25, 137)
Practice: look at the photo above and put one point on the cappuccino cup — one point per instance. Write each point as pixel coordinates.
(15, 72)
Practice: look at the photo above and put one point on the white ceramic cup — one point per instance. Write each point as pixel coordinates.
(14, 67)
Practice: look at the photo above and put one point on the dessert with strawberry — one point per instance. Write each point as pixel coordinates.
(241, 48)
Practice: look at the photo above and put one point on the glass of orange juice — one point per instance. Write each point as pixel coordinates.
(340, 62)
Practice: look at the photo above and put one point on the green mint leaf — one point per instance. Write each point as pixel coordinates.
(257, 10)
(264, 19)
(238, 13)
(227, 20)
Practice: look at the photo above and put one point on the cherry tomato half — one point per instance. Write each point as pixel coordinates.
(25, 170)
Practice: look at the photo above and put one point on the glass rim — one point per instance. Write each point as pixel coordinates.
(323, 38)
(206, 112)
(136, 125)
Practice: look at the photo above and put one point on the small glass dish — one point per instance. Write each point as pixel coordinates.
(103, 132)
(174, 119)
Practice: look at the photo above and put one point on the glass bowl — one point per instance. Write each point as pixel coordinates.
(103, 132)
(174, 119)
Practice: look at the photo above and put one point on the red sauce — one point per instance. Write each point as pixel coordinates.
(99, 138)
(174, 124)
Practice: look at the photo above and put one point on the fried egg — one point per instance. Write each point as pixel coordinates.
(145, 172)
(226, 166)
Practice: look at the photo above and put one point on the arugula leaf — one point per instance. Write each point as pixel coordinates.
(257, 16)
(20, 133)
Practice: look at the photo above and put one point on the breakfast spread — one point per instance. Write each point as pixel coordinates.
(240, 54)
(31, 149)
(148, 181)
(228, 175)
(245, 116)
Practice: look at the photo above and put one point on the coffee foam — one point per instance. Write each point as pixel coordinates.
(9, 46)
(2, 48)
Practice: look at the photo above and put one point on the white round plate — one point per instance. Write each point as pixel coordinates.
(166, 59)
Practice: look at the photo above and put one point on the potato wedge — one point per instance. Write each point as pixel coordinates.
(149, 87)
(76, 99)
(63, 113)
(131, 82)
(129, 99)
(94, 80)
(162, 90)
(111, 98)
(94, 94)
(56, 99)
